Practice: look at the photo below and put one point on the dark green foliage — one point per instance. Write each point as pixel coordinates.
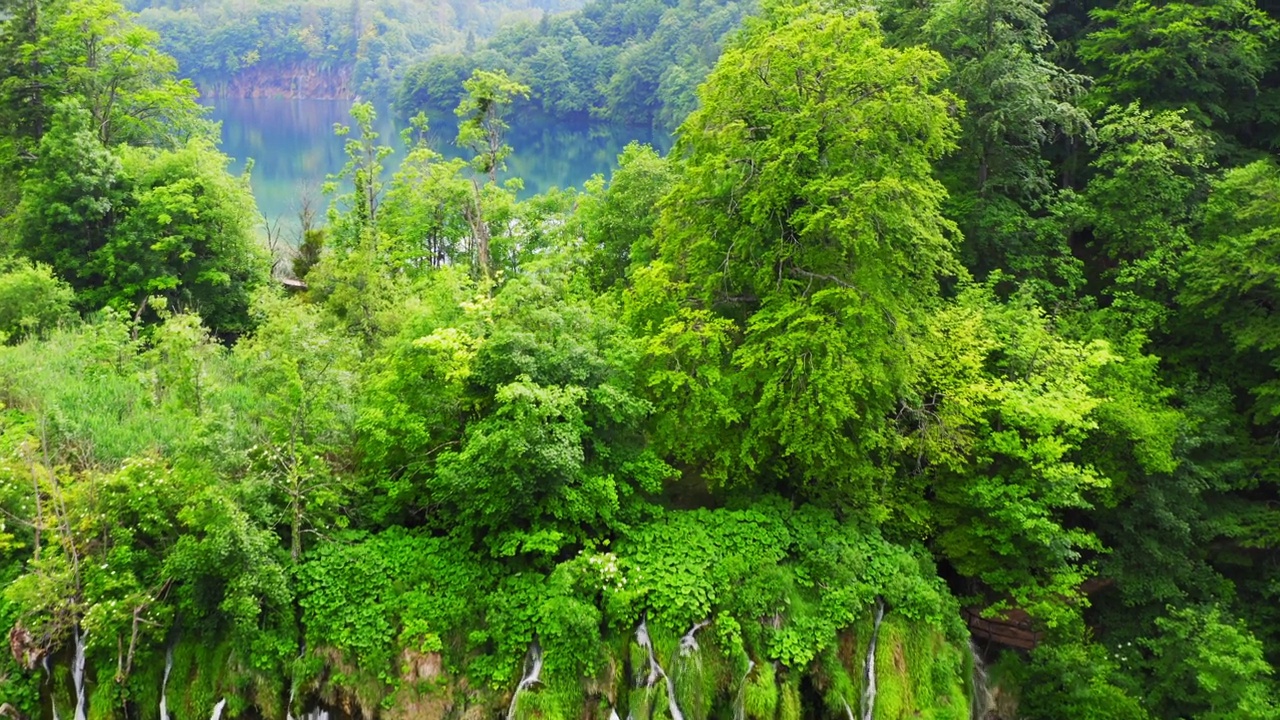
(627, 61)
(1234, 276)
(309, 252)
(124, 226)
(1074, 680)
(329, 47)
(1204, 57)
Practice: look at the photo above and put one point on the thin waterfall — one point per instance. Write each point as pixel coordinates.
(980, 688)
(848, 710)
(613, 714)
(533, 671)
(643, 640)
(293, 687)
(740, 702)
(53, 702)
(77, 673)
(164, 684)
(869, 695)
(656, 671)
(688, 643)
(217, 709)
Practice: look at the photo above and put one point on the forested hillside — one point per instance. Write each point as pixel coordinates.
(629, 61)
(934, 373)
(325, 49)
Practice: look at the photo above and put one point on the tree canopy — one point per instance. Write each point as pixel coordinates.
(935, 372)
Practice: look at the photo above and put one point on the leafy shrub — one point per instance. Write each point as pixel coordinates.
(32, 300)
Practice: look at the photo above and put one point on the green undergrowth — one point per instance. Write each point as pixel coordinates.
(918, 675)
(411, 622)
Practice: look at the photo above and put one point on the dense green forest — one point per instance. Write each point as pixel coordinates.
(329, 48)
(941, 317)
(629, 61)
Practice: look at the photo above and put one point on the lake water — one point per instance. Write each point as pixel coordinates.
(293, 148)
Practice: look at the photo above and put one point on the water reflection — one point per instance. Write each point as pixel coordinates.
(293, 147)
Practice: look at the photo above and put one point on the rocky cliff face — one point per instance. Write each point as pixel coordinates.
(296, 81)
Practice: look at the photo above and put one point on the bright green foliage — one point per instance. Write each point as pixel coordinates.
(1073, 680)
(92, 52)
(800, 567)
(678, 340)
(741, 398)
(180, 362)
(481, 127)
(619, 217)
(918, 674)
(807, 212)
(355, 215)
(114, 68)
(482, 123)
(32, 300)
(1200, 56)
(361, 279)
(187, 236)
(541, 375)
(1020, 108)
(364, 598)
(1006, 406)
(300, 375)
(308, 253)
(851, 135)
(230, 579)
(70, 198)
(85, 393)
(357, 287)
(418, 387)
(424, 207)
(1202, 665)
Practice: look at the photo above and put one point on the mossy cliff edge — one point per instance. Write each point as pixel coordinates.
(766, 611)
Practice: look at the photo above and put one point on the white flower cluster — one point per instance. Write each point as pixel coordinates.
(1119, 654)
(606, 564)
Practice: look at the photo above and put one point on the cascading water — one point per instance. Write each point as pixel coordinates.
(740, 702)
(869, 695)
(293, 687)
(688, 643)
(980, 688)
(53, 703)
(164, 684)
(656, 671)
(643, 640)
(217, 709)
(77, 673)
(613, 714)
(533, 671)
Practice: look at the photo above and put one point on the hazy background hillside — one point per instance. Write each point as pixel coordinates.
(631, 62)
(325, 49)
